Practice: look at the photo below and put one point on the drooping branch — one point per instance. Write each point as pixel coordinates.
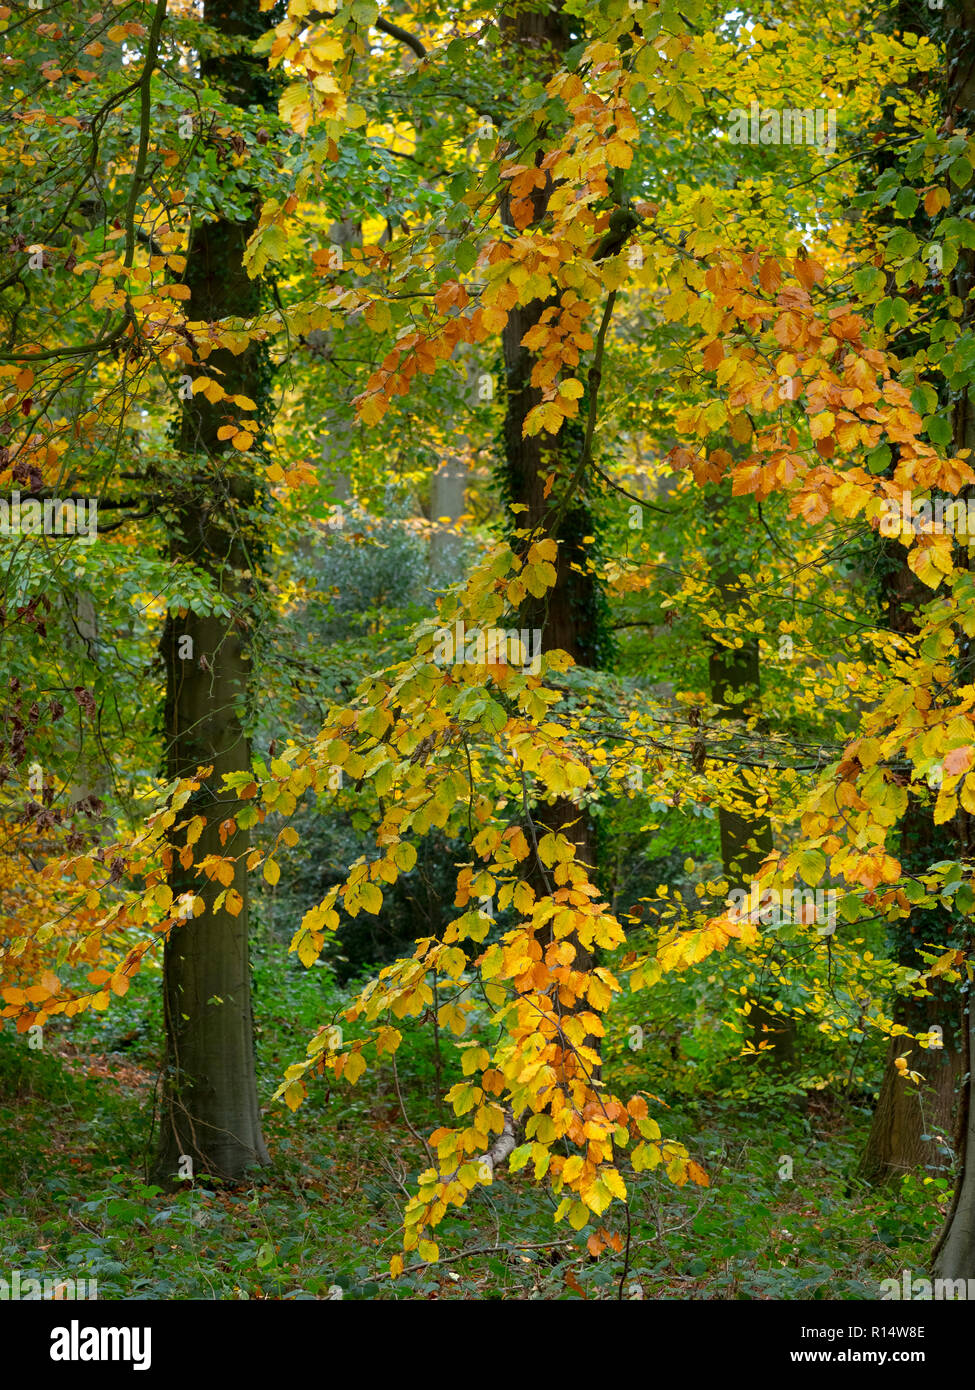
(145, 119)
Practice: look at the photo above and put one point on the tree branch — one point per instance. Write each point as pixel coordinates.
(386, 26)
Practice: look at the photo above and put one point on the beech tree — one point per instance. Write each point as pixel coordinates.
(612, 189)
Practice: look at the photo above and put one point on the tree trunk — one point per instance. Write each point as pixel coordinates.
(210, 1122)
(955, 1249)
(911, 1123)
(905, 1113)
(746, 835)
(566, 616)
(746, 832)
(448, 490)
(210, 1110)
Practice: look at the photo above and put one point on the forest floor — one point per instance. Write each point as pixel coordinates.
(783, 1218)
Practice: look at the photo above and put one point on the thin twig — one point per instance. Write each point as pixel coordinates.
(406, 1119)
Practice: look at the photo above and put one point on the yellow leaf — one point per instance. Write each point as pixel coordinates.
(475, 1059)
(371, 897)
(572, 1168)
(615, 1183)
(930, 559)
(404, 856)
(945, 807)
(578, 1215)
(325, 50)
(354, 1067)
(294, 1094)
(677, 1171)
(619, 154)
(597, 1197)
(309, 947)
(295, 107)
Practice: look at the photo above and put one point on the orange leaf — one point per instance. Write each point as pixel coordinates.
(959, 760)
(713, 354)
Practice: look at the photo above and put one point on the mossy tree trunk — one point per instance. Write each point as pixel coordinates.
(210, 1117)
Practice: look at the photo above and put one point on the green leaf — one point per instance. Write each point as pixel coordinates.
(520, 1157)
(465, 255)
(901, 243)
(884, 312)
(924, 399)
(938, 429)
(961, 171)
(812, 866)
(494, 718)
(868, 281)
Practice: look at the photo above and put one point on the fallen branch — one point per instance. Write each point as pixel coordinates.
(469, 1254)
(502, 1146)
(497, 1153)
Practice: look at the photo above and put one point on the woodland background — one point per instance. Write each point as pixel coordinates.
(330, 964)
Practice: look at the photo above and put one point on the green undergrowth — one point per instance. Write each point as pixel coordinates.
(783, 1218)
